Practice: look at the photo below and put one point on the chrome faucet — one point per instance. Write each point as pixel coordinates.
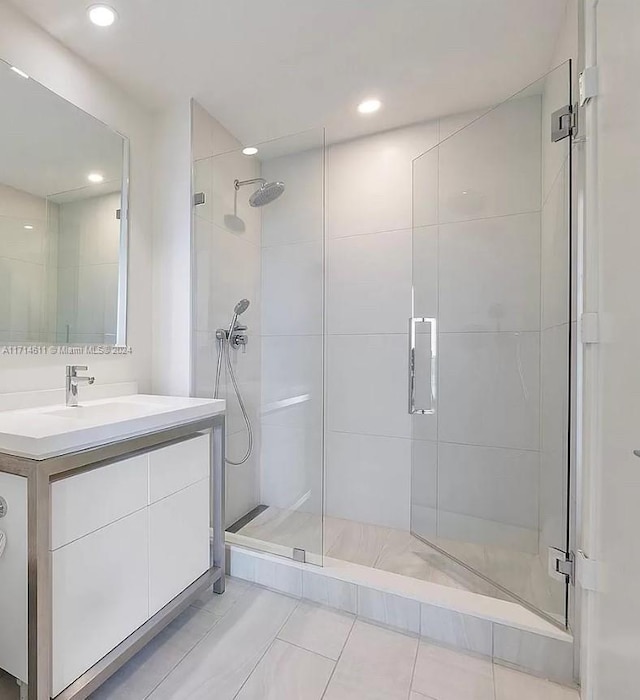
(73, 381)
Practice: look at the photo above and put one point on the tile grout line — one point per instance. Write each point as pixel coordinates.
(171, 670)
(198, 642)
(415, 660)
(493, 665)
(309, 651)
(344, 646)
(268, 647)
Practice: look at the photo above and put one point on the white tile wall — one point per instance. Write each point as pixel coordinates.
(291, 466)
(369, 283)
(369, 180)
(489, 274)
(555, 253)
(550, 658)
(389, 609)
(424, 478)
(490, 483)
(492, 168)
(368, 479)
(292, 380)
(489, 389)
(554, 435)
(456, 630)
(292, 291)
(425, 188)
(298, 214)
(292, 278)
(424, 269)
(367, 385)
(227, 268)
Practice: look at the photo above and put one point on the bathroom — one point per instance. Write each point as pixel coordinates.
(385, 275)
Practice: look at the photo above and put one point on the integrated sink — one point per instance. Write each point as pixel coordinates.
(109, 412)
(49, 431)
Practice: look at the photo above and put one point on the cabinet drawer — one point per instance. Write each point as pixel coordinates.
(178, 543)
(84, 503)
(178, 466)
(100, 595)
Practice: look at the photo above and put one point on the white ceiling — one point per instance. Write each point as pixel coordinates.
(274, 67)
(48, 146)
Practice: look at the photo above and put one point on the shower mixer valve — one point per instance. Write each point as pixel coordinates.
(239, 338)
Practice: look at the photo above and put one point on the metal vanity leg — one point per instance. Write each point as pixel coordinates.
(39, 584)
(24, 689)
(218, 476)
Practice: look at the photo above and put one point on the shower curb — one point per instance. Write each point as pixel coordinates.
(502, 631)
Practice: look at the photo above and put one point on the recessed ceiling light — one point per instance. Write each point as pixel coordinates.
(369, 106)
(96, 178)
(250, 151)
(21, 73)
(102, 15)
(29, 227)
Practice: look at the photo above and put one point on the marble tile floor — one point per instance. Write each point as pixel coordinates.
(399, 552)
(254, 644)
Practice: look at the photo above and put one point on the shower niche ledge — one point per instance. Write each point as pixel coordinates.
(106, 515)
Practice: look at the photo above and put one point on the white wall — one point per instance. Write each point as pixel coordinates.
(25, 45)
(226, 264)
(172, 279)
(614, 120)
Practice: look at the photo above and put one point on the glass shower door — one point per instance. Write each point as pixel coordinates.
(489, 343)
(259, 251)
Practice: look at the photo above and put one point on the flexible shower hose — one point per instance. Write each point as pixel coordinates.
(223, 349)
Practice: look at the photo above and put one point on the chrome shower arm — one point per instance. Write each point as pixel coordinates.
(240, 183)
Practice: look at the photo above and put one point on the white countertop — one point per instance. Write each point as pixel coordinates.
(49, 431)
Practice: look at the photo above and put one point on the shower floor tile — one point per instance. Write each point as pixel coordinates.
(399, 552)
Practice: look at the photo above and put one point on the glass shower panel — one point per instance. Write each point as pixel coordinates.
(489, 358)
(259, 237)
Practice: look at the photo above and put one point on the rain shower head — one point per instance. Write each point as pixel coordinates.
(265, 194)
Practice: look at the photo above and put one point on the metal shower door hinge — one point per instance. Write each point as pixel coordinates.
(118, 214)
(299, 555)
(198, 198)
(562, 123)
(561, 565)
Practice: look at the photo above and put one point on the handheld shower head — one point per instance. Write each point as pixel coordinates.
(241, 307)
(238, 309)
(265, 194)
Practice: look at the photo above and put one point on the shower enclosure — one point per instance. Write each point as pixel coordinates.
(406, 369)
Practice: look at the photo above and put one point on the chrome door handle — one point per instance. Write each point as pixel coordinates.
(412, 366)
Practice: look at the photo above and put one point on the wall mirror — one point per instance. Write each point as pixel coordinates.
(63, 220)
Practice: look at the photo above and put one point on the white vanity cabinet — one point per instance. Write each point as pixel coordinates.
(126, 539)
(179, 518)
